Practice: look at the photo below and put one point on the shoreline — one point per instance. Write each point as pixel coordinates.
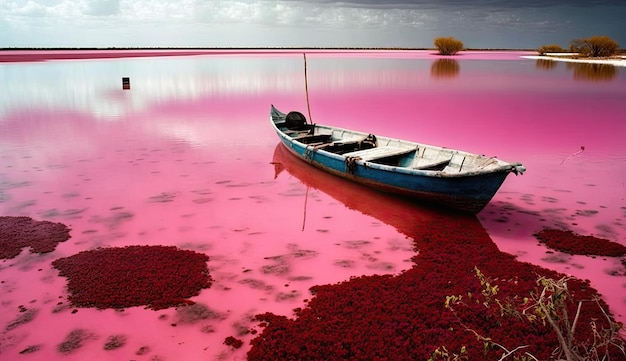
(614, 61)
(40, 55)
(19, 55)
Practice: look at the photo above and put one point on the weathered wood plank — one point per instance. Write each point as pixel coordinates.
(378, 153)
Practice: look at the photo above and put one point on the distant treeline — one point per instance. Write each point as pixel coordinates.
(618, 52)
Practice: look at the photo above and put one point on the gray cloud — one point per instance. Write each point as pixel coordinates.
(103, 7)
(505, 4)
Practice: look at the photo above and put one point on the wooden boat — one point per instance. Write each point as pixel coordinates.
(453, 178)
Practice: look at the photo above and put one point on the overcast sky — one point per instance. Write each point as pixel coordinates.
(306, 23)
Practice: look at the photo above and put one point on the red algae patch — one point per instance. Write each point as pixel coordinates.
(404, 317)
(115, 341)
(20, 232)
(153, 276)
(74, 340)
(233, 342)
(572, 243)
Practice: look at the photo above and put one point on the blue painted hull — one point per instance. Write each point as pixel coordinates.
(467, 193)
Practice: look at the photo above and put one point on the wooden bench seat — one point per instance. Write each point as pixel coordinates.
(310, 139)
(368, 155)
(296, 133)
(430, 164)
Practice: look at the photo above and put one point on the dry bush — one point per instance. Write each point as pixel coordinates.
(448, 46)
(552, 48)
(595, 46)
(549, 305)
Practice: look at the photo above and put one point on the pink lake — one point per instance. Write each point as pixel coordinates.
(187, 158)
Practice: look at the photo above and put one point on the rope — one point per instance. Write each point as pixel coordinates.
(351, 164)
(309, 152)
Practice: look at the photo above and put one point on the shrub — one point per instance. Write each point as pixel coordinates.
(595, 46)
(448, 46)
(552, 48)
(549, 305)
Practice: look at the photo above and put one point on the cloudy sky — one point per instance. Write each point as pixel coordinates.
(306, 23)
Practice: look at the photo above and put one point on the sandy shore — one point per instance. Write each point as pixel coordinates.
(616, 61)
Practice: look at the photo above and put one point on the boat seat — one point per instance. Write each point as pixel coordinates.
(456, 163)
(426, 164)
(368, 155)
(296, 133)
(309, 139)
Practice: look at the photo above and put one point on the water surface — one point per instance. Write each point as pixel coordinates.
(186, 157)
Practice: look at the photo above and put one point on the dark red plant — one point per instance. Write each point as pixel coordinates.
(386, 317)
(154, 276)
(19, 232)
(233, 342)
(572, 243)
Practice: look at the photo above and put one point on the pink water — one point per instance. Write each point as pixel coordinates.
(185, 158)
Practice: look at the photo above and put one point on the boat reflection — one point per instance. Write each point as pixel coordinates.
(408, 217)
(445, 69)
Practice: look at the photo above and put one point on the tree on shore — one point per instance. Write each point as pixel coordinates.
(595, 46)
(448, 46)
(552, 48)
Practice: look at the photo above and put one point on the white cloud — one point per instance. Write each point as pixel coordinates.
(87, 23)
(155, 11)
(29, 9)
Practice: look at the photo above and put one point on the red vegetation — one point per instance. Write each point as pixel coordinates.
(572, 243)
(233, 342)
(19, 232)
(73, 341)
(385, 317)
(155, 276)
(26, 316)
(115, 341)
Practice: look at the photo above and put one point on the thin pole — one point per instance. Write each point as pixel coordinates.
(306, 88)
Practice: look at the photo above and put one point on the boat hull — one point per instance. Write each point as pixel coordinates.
(467, 192)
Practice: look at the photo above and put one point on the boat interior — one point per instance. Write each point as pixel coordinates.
(387, 151)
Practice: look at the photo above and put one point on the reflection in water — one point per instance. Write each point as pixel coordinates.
(546, 64)
(593, 72)
(409, 218)
(94, 85)
(445, 68)
(582, 71)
